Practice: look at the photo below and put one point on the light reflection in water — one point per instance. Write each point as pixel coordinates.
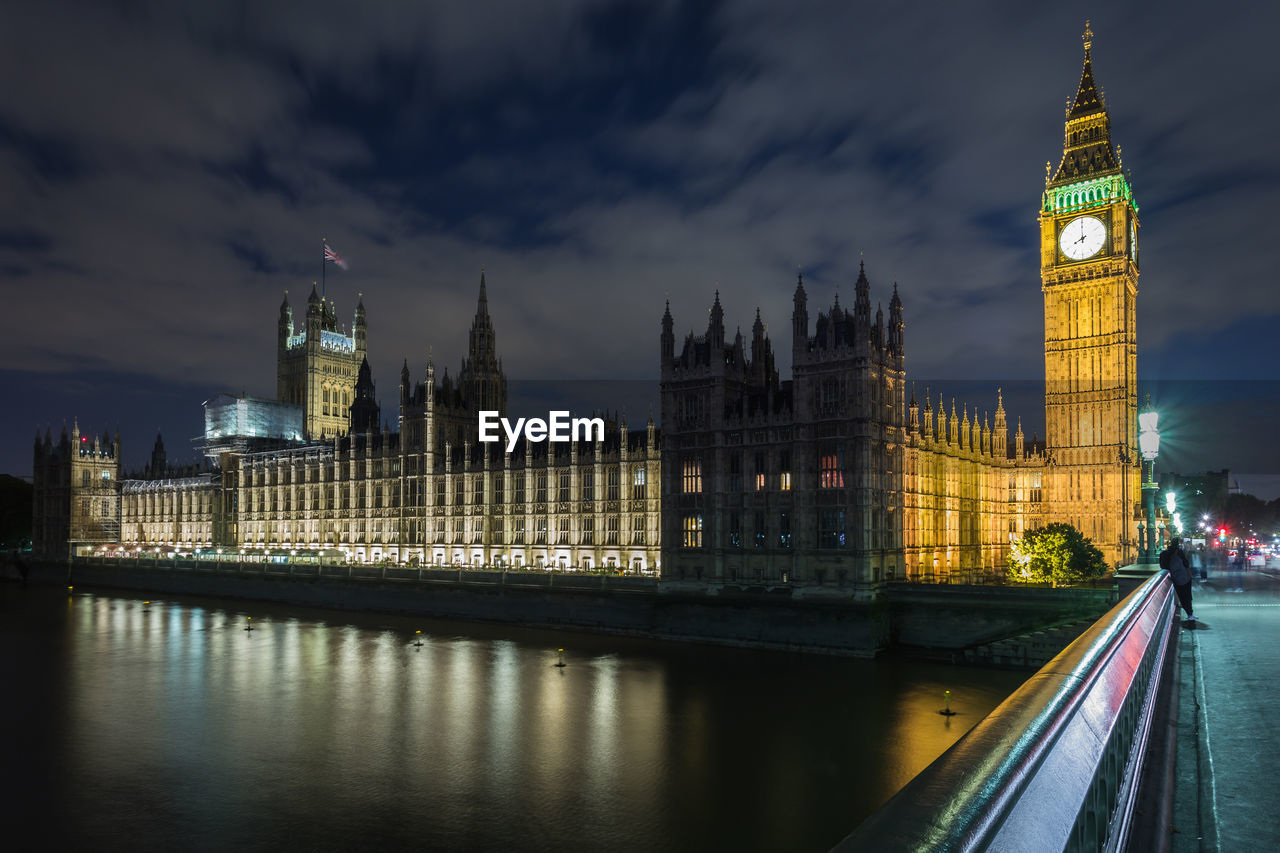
(337, 733)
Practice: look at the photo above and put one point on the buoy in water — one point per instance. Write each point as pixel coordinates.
(946, 711)
(561, 662)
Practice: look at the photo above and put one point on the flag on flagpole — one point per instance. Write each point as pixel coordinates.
(331, 255)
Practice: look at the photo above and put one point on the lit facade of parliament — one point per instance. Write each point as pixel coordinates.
(838, 478)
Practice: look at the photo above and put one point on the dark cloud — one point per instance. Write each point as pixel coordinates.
(167, 171)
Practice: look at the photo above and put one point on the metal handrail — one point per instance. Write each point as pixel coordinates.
(1055, 766)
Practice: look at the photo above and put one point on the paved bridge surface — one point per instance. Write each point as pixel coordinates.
(1227, 795)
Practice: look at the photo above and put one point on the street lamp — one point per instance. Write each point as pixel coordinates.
(1149, 444)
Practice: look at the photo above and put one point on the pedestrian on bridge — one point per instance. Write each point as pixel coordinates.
(1174, 561)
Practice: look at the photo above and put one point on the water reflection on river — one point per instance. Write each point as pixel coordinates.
(168, 726)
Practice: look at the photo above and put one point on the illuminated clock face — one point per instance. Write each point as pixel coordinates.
(1133, 242)
(1082, 238)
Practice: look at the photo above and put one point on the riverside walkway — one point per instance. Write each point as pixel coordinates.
(1227, 792)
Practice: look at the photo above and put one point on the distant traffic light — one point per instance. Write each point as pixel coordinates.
(1222, 534)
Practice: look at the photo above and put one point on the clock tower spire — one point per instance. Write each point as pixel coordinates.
(1089, 277)
(1087, 150)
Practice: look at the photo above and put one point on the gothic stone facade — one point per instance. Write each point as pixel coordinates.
(829, 480)
(966, 493)
(797, 481)
(317, 365)
(427, 494)
(75, 492)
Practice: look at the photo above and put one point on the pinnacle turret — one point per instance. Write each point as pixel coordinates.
(715, 326)
(799, 318)
(862, 290)
(1087, 150)
(481, 380)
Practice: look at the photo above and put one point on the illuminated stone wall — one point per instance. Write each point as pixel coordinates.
(1089, 275)
(169, 513)
(318, 364)
(75, 493)
(966, 494)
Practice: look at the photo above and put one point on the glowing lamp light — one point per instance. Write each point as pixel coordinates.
(1148, 433)
(1171, 501)
(1149, 444)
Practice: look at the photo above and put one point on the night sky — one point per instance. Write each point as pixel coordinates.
(167, 171)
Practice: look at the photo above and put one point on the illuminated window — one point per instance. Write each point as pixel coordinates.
(637, 483)
(692, 482)
(831, 467)
(692, 527)
(784, 478)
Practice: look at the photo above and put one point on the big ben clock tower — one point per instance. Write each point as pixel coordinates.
(1089, 275)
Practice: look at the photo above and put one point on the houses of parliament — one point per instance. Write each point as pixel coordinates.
(836, 480)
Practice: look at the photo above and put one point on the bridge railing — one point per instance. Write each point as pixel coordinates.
(1056, 765)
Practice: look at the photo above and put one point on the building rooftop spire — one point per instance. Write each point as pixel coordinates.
(1087, 99)
(1087, 150)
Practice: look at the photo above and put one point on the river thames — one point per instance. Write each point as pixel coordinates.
(169, 726)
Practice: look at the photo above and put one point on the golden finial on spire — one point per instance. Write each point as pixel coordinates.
(1087, 35)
